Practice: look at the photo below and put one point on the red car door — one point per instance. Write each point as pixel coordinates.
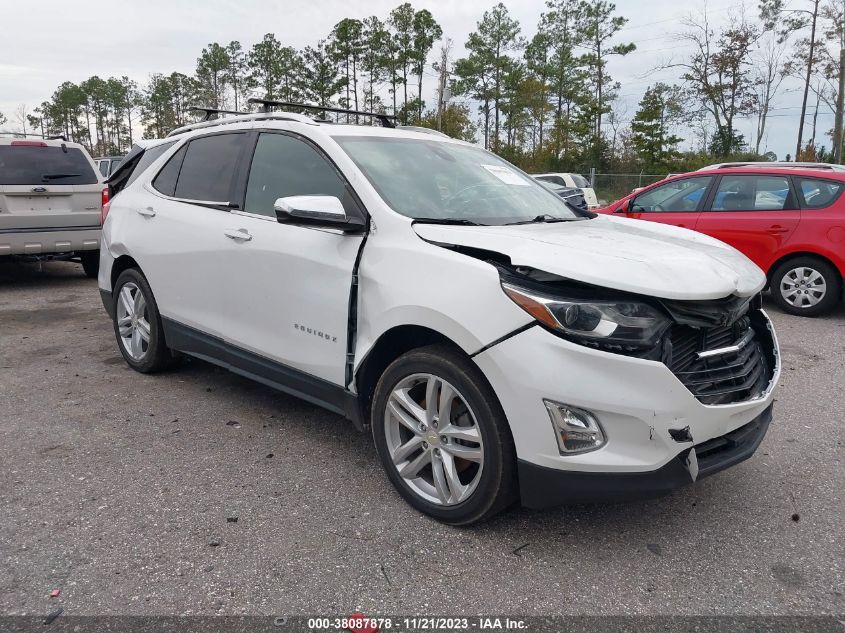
(676, 202)
(755, 214)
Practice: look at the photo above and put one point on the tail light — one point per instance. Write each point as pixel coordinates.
(104, 205)
(29, 144)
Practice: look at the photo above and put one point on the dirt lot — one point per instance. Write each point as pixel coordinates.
(198, 492)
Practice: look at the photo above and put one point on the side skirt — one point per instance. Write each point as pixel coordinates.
(215, 350)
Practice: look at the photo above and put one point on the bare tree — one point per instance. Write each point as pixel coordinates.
(20, 116)
(768, 77)
(718, 72)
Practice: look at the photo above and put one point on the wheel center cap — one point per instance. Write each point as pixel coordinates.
(433, 439)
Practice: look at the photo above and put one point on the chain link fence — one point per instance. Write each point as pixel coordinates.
(610, 187)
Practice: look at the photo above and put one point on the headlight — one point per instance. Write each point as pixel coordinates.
(625, 323)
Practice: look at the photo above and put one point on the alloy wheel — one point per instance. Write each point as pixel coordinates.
(434, 439)
(803, 287)
(133, 321)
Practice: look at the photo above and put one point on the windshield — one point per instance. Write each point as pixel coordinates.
(436, 180)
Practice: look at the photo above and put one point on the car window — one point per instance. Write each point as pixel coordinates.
(677, 195)
(149, 157)
(165, 181)
(752, 193)
(557, 180)
(580, 181)
(818, 194)
(36, 164)
(286, 166)
(434, 180)
(103, 166)
(209, 167)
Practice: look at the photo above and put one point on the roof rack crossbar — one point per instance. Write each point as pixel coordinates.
(386, 120)
(212, 113)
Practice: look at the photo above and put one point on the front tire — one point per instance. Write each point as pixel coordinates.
(806, 286)
(442, 436)
(90, 263)
(137, 324)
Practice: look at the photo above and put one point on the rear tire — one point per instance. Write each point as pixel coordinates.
(460, 468)
(137, 324)
(90, 263)
(806, 286)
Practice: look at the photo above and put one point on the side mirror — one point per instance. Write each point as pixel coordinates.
(625, 208)
(321, 211)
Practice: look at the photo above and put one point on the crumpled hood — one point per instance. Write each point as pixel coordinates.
(630, 255)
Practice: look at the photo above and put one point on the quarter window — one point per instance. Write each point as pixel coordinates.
(286, 166)
(675, 196)
(752, 193)
(818, 194)
(165, 181)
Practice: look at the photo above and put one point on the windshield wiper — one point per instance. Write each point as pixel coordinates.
(57, 176)
(543, 218)
(456, 221)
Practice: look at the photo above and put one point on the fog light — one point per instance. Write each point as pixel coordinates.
(577, 431)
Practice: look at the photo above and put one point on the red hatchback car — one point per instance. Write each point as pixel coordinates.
(789, 221)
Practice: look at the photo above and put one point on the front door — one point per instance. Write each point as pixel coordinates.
(288, 296)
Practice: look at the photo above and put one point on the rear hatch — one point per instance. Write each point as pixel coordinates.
(47, 186)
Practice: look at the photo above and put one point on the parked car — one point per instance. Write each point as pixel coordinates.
(50, 201)
(498, 343)
(576, 181)
(572, 195)
(106, 165)
(790, 221)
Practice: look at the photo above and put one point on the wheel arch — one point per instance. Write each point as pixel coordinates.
(800, 253)
(387, 348)
(124, 262)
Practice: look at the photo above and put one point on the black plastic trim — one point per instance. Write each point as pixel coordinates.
(108, 302)
(542, 487)
(215, 350)
(504, 338)
(53, 229)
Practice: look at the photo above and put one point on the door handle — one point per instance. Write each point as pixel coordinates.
(147, 212)
(239, 235)
(776, 229)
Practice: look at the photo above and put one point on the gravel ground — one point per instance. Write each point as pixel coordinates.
(199, 492)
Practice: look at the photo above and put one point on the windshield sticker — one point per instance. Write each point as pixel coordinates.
(507, 176)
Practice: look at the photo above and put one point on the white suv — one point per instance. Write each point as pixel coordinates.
(499, 344)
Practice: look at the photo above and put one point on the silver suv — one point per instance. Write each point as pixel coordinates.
(51, 197)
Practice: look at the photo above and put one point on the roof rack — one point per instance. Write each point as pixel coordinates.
(255, 116)
(22, 135)
(422, 130)
(267, 104)
(210, 114)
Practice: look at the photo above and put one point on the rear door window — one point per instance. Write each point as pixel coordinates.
(817, 194)
(39, 164)
(209, 167)
(753, 193)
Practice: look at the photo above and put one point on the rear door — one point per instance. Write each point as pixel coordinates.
(677, 202)
(46, 186)
(176, 229)
(754, 213)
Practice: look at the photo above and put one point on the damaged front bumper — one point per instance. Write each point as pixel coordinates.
(651, 419)
(542, 487)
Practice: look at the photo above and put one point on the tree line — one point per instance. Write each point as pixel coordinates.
(545, 101)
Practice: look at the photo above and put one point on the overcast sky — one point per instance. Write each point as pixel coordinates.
(59, 40)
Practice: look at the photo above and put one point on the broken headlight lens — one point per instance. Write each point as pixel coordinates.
(626, 324)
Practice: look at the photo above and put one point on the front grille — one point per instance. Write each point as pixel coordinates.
(730, 377)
